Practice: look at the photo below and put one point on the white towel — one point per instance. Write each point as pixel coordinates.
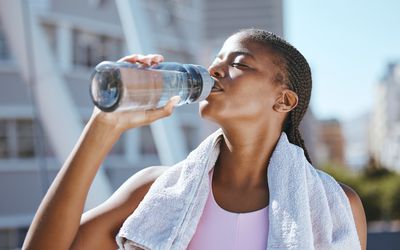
(308, 209)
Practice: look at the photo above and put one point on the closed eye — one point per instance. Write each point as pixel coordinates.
(239, 65)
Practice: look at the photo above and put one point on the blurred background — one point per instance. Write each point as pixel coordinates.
(48, 49)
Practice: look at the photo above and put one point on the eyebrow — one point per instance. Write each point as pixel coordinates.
(238, 53)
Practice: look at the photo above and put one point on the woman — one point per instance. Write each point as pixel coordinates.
(257, 96)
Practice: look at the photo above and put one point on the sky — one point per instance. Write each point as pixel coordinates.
(348, 45)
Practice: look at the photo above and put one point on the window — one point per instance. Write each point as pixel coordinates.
(90, 49)
(12, 238)
(16, 139)
(4, 51)
(25, 140)
(4, 149)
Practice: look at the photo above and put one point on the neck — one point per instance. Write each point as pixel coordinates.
(244, 156)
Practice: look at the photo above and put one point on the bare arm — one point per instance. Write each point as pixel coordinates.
(58, 219)
(106, 219)
(358, 214)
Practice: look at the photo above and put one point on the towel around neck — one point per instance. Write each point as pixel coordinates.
(308, 209)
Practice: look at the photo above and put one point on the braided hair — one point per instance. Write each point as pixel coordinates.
(297, 77)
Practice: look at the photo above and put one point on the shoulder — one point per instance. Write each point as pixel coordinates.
(358, 213)
(354, 199)
(351, 195)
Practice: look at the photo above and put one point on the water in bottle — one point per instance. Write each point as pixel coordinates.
(123, 85)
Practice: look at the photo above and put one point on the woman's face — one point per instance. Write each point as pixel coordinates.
(245, 89)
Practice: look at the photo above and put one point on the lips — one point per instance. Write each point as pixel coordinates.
(217, 88)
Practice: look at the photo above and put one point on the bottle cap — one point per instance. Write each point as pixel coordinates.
(208, 83)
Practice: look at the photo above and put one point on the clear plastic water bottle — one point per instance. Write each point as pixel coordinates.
(118, 86)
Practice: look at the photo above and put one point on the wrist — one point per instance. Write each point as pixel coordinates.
(105, 125)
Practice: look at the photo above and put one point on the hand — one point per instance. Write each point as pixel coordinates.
(147, 60)
(123, 120)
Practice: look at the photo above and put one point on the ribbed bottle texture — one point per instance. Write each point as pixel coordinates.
(118, 86)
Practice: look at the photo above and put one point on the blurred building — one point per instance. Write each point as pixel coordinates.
(356, 134)
(385, 122)
(332, 139)
(309, 129)
(224, 17)
(81, 34)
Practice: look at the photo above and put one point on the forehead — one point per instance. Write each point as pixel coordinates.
(240, 43)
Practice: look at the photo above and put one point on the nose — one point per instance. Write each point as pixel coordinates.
(216, 70)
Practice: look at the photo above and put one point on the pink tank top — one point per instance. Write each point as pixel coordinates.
(220, 229)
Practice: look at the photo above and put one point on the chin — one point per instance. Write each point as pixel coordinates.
(207, 111)
(211, 112)
(203, 109)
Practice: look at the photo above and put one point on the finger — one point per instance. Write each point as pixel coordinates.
(165, 111)
(174, 101)
(131, 58)
(146, 60)
(156, 58)
(151, 59)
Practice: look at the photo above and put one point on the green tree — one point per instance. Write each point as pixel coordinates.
(378, 188)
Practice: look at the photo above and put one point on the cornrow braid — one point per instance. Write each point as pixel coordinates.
(299, 80)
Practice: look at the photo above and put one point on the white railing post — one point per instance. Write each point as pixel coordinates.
(168, 137)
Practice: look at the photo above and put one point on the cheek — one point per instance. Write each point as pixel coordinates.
(254, 100)
(252, 106)
(243, 101)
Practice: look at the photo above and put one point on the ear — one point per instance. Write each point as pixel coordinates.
(286, 101)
